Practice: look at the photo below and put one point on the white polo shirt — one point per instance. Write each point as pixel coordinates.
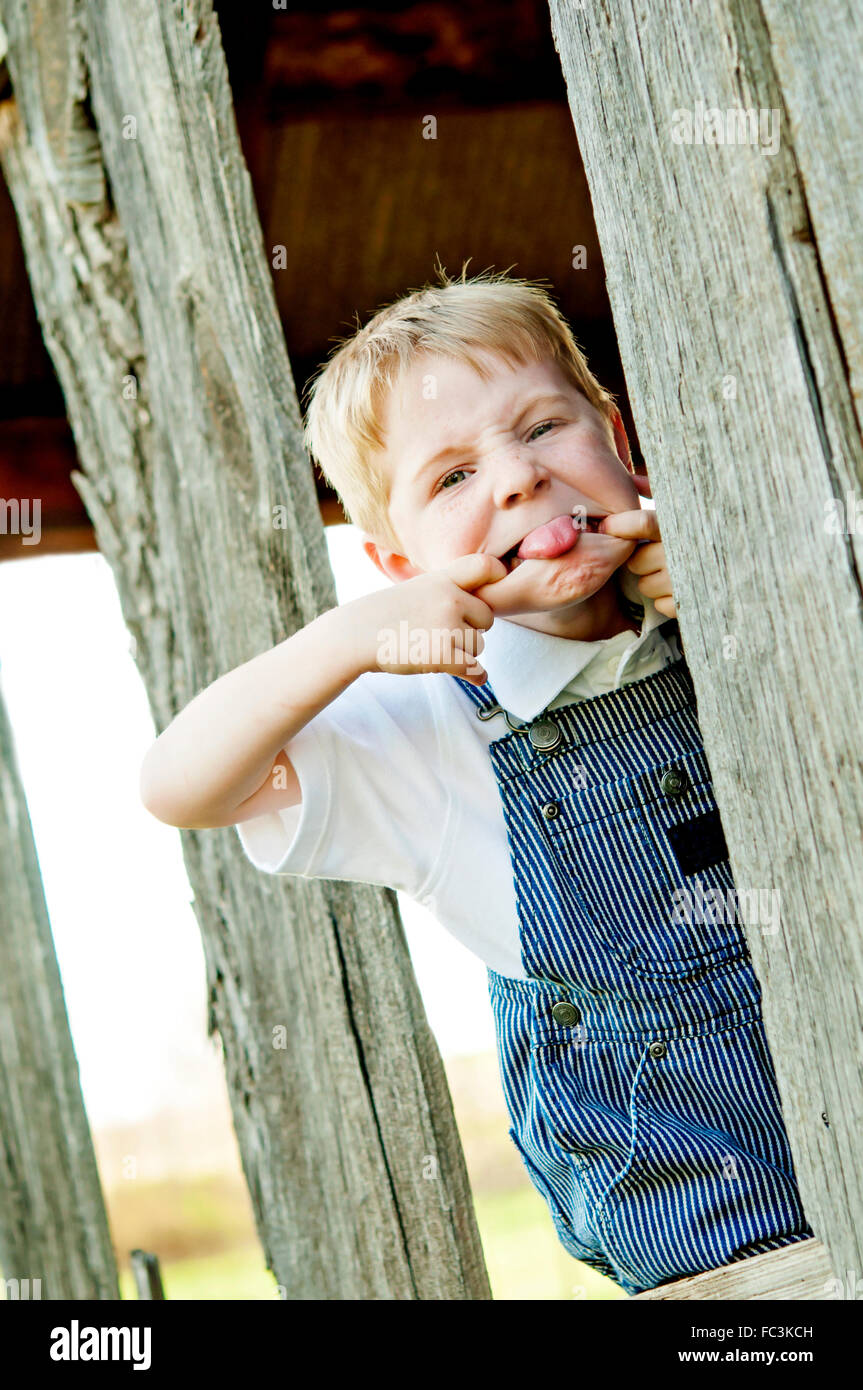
(398, 787)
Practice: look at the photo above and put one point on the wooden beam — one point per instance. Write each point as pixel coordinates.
(159, 314)
(147, 1275)
(800, 1272)
(53, 1224)
(736, 291)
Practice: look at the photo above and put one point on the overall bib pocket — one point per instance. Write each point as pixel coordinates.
(647, 858)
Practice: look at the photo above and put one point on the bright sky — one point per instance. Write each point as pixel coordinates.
(119, 900)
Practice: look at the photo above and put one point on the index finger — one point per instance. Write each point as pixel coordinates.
(637, 525)
(469, 571)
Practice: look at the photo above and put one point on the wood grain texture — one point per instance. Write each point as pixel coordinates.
(53, 1225)
(735, 286)
(816, 51)
(345, 1123)
(798, 1272)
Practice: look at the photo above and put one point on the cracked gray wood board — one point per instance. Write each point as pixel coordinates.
(168, 282)
(729, 265)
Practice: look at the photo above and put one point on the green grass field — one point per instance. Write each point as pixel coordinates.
(524, 1257)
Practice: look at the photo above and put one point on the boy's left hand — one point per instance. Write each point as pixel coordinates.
(648, 558)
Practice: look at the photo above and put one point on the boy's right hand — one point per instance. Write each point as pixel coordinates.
(432, 622)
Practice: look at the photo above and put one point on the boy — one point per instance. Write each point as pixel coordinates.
(552, 806)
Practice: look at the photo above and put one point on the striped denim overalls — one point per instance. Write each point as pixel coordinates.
(634, 1061)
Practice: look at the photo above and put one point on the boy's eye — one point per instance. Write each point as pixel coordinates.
(453, 474)
(546, 425)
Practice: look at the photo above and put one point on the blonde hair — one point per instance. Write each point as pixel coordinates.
(492, 312)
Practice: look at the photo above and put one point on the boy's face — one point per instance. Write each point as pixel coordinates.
(523, 448)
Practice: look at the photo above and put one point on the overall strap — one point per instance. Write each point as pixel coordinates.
(480, 695)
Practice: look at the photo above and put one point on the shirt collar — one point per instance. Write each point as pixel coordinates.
(527, 669)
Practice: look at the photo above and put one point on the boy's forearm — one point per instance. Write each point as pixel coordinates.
(218, 751)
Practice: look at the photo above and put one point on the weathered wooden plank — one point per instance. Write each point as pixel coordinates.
(147, 1275)
(53, 1225)
(736, 295)
(817, 53)
(161, 323)
(798, 1272)
(57, 68)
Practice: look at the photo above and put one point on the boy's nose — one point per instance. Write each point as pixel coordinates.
(516, 477)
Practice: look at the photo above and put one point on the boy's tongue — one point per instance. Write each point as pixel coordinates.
(553, 538)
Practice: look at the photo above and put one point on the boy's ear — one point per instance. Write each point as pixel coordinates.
(392, 565)
(621, 443)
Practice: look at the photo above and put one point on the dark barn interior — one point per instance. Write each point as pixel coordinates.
(331, 106)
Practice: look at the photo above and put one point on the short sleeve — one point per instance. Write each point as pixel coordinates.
(374, 803)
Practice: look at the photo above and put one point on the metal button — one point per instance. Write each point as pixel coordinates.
(565, 1015)
(674, 782)
(544, 734)
(550, 810)
(657, 1049)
